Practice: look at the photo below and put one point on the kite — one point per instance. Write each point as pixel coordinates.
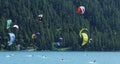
(81, 9)
(35, 35)
(9, 22)
(40, 17)
(12, 38)
(84, 36)
(16, 26)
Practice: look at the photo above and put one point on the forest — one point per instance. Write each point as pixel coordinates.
(60, 19)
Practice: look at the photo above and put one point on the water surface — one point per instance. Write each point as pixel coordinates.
(59, 57)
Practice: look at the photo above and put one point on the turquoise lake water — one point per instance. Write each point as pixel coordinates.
(59, 57)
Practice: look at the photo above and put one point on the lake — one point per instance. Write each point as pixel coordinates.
(59, 57)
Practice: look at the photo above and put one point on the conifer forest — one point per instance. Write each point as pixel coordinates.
(60, 20)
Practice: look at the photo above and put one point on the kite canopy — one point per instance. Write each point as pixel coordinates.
(83, 29)
(81, 9)
(16, 26)
(35, 35)
(9, 22)
(84, 36)
(12, 38)
(41, 15)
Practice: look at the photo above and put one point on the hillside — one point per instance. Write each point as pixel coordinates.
(60, 19)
